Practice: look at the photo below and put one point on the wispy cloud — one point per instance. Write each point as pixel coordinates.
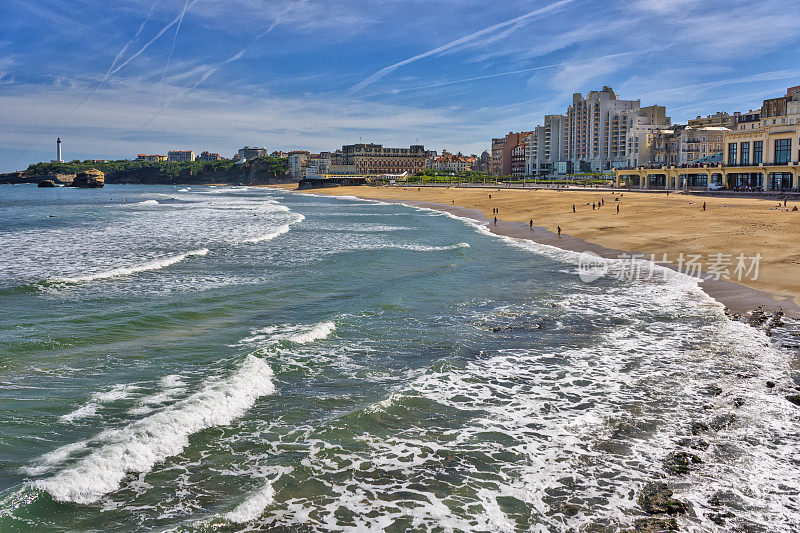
(458, 42)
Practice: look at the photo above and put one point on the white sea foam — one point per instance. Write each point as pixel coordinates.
(145, 203)
(274, 232)
(117, 392)
(320, 331)
(253, 506)
(51, 460)
(126, 271)
(140, 445)
(299, 334)
(85, 411)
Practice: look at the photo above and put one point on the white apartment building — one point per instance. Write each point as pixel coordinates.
(597, 130)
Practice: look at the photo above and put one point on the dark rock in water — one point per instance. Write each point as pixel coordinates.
(89, 179)
(656, 498)
(655, 525)
(46, 183)
(794, 398)
(775, 321)
(712, 390)
(770, 384)
(679, 463)
(719, 518)
(757, 317)
(738, 402)
(722, 422)
(695, 444)
(699, 427)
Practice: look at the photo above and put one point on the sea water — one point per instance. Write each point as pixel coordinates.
(198, 358)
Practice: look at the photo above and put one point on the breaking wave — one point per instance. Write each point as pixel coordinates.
(139, 446)
(126, 271)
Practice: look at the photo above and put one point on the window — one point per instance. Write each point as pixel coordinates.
(731, 153)
(783, 148)
(758, 152)
(745, 155)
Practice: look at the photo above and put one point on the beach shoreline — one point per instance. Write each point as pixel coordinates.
(738, 298)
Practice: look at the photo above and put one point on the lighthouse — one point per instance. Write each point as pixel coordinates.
(58, 150)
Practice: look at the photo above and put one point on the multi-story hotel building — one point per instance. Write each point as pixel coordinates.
(151, 158)
(180, 155)
(547, 146)
(765, 152)
(208, 156)
(377, 159)
(503, 162)
(761, 152)
(597, 130)
(250, 153)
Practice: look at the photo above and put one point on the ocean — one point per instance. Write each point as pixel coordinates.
(230, 358)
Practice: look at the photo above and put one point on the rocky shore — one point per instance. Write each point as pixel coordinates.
(255, 172)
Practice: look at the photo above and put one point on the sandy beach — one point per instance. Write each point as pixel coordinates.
(674, 227)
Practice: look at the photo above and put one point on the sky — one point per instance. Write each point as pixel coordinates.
(114, 79)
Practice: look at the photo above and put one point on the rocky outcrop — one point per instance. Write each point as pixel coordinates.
(89, 179)
(656, 498)
(680, 463)
(46, 183)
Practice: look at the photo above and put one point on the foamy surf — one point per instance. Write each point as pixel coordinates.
(145, 203)
(299, 334)
(127, 271)
(253, 506)
(139, 446)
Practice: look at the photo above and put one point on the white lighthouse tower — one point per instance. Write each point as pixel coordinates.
(58, 150)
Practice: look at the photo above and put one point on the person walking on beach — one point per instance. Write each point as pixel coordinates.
(530, 223)
(573, 208)
(704, 206)
(618, 209)
(558, 228)
(495, 221)
(592, 206)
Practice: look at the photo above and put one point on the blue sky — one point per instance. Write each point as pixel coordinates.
(114, 79)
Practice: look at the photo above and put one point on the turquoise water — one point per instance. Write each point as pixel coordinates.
(242, 358)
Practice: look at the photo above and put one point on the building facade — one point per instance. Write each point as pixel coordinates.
(761, 152)
(208, 156)
(250, 153)
(151, 158)
(377, 160)
(503, 154)
(180, 155)
(597, 130)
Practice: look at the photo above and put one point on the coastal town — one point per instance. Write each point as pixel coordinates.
(599, 136)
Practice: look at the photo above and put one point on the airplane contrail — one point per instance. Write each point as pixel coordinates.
(498, 74)
(172, 49)
(235, 57)
(161, 32)
(463, 40)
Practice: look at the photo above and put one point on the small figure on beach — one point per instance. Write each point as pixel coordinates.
(573, 208)
(558, 228)
(490, 197)
(495, 221)
(784, 202)
(530, 223)
(704, 206)
(618, 209)
(592, 206)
